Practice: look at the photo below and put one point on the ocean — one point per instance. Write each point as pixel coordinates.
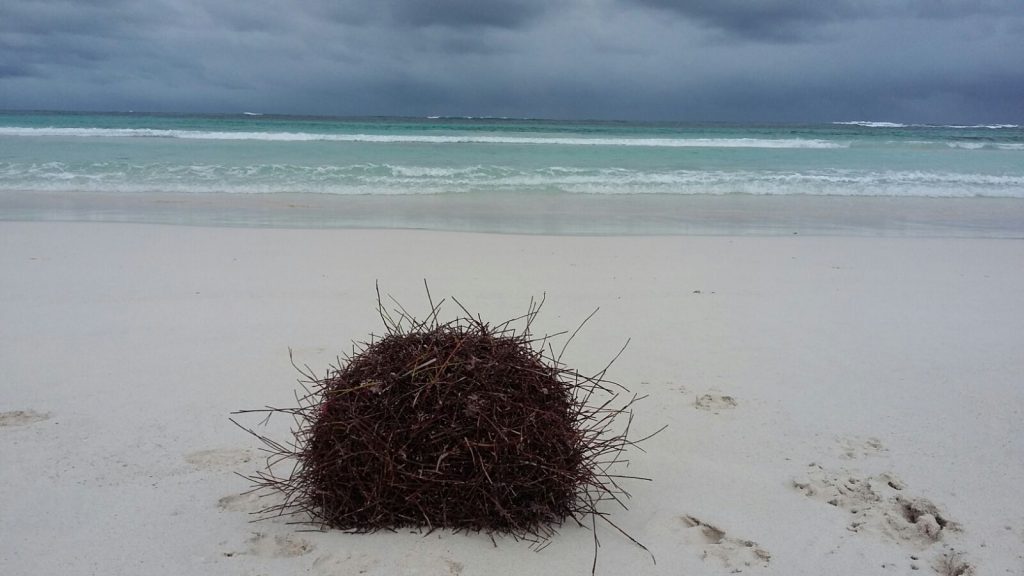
(512, 175)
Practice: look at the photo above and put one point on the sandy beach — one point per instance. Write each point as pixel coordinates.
(835, 404)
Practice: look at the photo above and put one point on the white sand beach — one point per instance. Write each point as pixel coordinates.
(835, 405)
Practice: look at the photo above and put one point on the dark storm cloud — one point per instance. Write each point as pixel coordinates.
(767, 19)
(48, 17)
(902, 60)
(509, 14)
(14, 70)
(960, 8)
(794, 20)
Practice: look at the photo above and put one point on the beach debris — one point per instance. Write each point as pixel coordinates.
(459, 425)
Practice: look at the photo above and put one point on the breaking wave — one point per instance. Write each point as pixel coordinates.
(372, 178)
(870, 124)
(421, 138)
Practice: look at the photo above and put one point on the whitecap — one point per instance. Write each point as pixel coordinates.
(423, 139)
(870, 124)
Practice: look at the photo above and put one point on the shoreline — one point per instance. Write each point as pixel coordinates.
(788, 369)
(554, 214)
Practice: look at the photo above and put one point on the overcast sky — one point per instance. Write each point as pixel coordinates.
(948, 61)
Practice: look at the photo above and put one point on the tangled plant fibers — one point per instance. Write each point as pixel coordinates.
(459, 425)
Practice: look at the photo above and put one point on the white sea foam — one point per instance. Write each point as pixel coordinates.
(423, 138)
(824, 183)
(986, 145)
(372, 178)
(979, 126)
(870, 124)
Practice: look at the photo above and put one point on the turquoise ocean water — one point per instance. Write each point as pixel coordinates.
(467, 161)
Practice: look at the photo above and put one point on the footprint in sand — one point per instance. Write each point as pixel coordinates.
(853, 448)
(733, 553)
(22, 418)
(880, 505)
(715, 402)
(680, 388)
(220, 459)
(330, 564)
(952, 563)
(278, 546)
(248, 502)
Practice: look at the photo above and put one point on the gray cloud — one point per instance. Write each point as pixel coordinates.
(14, 70)
(795, 20)
(958, 8)
(462, 13)
(904, 60)
(509, 14)
(774, 20)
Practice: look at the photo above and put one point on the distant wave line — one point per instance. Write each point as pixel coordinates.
(423, 139)
(871, 124)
